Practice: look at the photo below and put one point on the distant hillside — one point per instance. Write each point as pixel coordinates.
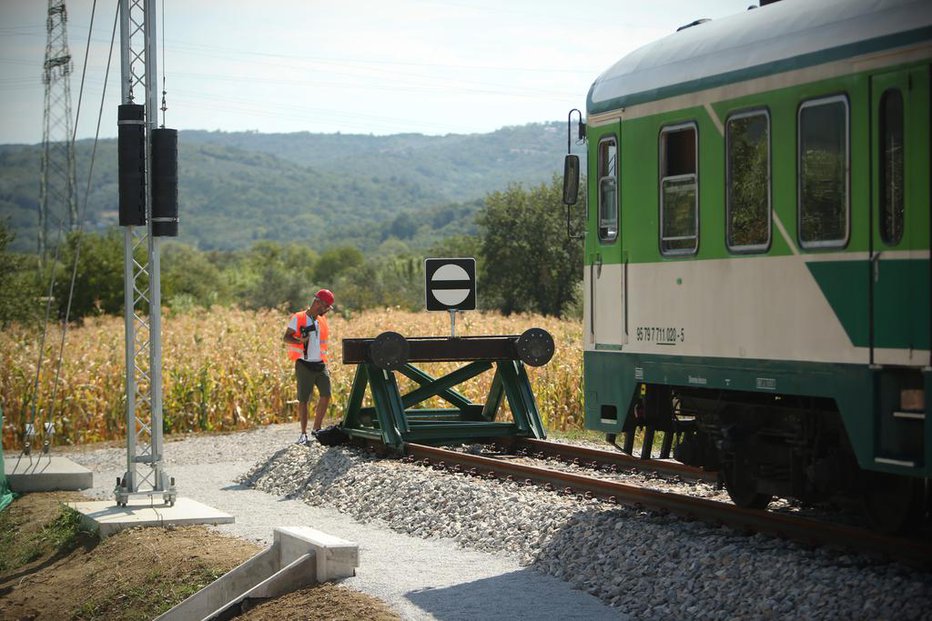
(325, 189)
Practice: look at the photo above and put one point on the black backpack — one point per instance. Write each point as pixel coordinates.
(332, 436)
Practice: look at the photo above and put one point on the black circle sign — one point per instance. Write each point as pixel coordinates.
(450, 284)
(389, 351)
(535, 347)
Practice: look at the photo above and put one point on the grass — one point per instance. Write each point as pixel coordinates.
(23, 544)
(155, 596)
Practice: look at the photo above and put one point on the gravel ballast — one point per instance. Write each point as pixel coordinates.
(440, 546)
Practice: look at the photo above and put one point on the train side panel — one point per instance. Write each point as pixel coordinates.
(847, 320)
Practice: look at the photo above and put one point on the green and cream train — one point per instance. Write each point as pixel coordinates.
(757, 251)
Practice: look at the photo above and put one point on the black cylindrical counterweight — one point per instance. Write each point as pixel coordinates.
(131, 144)
(165, 182)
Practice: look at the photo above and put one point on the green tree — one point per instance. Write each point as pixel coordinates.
(189, 277)
(20, 289)
(335, 261)
(456, 246)
(98, 281)
(528, 262)
(404, 226)
(272, 275)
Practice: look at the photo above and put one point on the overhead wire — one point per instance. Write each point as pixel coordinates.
(33, 400)
(87, 192)
(81, 218)
(164, 92)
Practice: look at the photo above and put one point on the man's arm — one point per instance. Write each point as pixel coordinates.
(293, 338)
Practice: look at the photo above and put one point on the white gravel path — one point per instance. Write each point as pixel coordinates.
(419, 578)
(438, 546)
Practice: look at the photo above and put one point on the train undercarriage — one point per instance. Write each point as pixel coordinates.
(766, 446)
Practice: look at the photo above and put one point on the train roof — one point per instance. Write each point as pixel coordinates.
(785, 35)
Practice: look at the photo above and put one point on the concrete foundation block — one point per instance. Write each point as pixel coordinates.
(45, 473)
(298, 557)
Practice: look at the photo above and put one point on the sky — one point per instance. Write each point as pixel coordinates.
(351, 66)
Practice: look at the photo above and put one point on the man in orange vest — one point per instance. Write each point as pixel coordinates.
(306, 338)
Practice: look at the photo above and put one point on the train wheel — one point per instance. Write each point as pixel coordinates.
(892, 503)
(741, 484)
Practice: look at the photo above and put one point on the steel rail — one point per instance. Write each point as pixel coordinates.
(783, 526)
(622, 460)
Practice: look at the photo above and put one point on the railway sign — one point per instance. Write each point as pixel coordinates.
(450, 284)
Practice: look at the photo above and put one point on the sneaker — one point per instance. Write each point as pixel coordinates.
(315, 432)
(302, 439)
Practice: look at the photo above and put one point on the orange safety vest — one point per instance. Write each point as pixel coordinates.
(296, 350)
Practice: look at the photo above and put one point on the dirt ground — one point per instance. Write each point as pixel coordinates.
(136, 574)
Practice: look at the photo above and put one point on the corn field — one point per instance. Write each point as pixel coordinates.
(226, 369)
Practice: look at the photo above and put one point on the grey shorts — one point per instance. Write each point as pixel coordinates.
(308, 377)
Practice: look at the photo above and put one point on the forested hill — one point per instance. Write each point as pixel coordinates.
(324, 189)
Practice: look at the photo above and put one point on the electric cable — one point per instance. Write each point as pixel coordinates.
(164, 92)
(81, 219)
(49, 418)
(32, 400)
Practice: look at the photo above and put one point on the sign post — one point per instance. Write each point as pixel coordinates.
(450, 285)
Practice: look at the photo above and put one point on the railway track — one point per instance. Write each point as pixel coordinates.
(802, 530)
(614, 460)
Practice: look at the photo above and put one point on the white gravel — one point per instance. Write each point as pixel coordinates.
(419, 578)
(437, 546)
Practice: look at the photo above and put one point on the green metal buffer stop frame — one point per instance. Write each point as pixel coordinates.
(396, 419)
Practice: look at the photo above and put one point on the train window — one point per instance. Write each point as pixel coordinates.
(823, 172)
(891, 166)
(747, 153)
(679, 195)
(608, 195)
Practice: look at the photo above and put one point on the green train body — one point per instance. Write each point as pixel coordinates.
(757, 275)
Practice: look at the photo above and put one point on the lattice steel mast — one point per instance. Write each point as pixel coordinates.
(141, 275)
(56, 190)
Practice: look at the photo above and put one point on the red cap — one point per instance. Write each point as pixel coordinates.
(325, 296)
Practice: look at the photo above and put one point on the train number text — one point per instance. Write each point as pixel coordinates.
(660, 336)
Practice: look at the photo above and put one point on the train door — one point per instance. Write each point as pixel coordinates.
(899, 273)
(605, 271)
(899, 281)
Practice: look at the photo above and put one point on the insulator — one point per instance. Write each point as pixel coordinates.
(165, 182)
(131, 145)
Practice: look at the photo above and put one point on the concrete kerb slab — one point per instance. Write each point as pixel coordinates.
(45, 473)
(299, 556)
(109, 518)
(336, 558)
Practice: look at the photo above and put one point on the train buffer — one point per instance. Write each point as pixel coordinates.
(394, 418)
